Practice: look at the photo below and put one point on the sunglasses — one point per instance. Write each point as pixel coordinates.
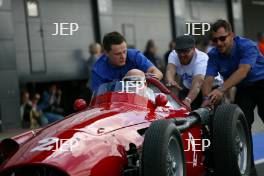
(221, 38)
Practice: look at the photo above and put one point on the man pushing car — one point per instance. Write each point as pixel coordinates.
(241, 64)
(117, 60)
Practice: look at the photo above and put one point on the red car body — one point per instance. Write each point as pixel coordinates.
(95, 141)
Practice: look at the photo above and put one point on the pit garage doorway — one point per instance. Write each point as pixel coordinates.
(44, 57)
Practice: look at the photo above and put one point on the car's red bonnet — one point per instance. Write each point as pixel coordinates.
(91, 138)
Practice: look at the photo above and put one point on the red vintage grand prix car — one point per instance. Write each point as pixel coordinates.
(125, 133)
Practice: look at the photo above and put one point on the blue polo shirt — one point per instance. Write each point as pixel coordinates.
(244, 51)
(103, 72)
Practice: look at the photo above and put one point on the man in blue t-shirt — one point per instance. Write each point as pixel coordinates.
(118, 60)
(240, 63)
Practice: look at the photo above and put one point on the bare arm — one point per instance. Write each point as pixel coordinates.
(197, 83)
(170, 72)
(236, 77)
(208, 84)
(217, 94)
(154, 70)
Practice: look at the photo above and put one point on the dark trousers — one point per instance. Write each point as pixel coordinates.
(250, 97)
(247, 99)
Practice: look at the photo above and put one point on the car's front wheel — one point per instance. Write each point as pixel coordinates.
(163, 153)
(231, 142)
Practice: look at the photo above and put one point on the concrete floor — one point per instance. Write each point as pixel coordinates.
(258, 125)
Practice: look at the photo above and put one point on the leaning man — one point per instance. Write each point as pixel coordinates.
(190, 65)
(240, 63)
(117, 60)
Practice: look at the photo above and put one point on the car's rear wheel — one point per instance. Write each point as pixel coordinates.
(162, 153)
(231, 142)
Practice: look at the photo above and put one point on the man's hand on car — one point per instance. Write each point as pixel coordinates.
(187, 102)
(206, 103)
(174, 84)
(153, 75)
(216, 96)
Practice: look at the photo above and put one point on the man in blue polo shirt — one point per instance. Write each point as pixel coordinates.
(240, 63)
(118, 60)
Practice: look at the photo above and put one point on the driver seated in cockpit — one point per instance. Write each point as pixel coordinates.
(135, 82)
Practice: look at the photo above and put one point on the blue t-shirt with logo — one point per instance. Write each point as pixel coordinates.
(244, 51)
(103, 72)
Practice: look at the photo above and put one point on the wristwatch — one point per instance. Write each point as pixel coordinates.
(206, 98)
(168, 84)
(188, 99)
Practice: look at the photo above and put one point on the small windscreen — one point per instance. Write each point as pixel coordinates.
(126, 86)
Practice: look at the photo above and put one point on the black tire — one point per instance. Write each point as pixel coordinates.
(162, 141)
(231, 135)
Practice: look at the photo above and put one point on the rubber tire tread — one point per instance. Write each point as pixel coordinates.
(224, 123)
(155, 147)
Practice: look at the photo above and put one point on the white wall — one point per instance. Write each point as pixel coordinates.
(198, 11)
(151, 19)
